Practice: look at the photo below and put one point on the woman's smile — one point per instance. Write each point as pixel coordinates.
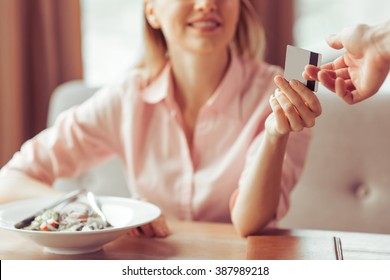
(205, 24)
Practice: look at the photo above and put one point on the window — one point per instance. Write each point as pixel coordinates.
(112, 34)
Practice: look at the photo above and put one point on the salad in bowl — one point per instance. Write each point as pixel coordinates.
(75, 227)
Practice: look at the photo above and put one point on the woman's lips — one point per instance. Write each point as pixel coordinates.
(207, 25)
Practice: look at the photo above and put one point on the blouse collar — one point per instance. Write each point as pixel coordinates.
(225, 99)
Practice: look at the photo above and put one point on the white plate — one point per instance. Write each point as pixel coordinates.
(122, 214)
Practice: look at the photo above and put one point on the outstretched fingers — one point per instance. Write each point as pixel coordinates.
(311, 72)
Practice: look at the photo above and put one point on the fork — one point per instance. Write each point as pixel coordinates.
(94, 204)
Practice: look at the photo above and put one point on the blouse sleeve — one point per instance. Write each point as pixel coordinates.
(81, 137)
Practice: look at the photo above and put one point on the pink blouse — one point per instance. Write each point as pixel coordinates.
(143, 126)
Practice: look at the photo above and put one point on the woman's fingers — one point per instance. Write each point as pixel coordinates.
(156, 228)
(135, 232)
(290, 111)
(294, 105)
(303, 99)
(281, 124)
(147, 230)
(309, 98)
(160, 227)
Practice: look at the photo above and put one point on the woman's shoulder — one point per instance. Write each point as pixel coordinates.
(127, 85)
(129, 80)
(133, 88)
(137, 80)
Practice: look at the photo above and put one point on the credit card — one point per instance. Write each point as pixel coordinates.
(296, 60)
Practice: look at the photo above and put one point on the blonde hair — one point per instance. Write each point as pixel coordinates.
(248, 42)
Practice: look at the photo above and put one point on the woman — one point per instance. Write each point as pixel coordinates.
(194, 122)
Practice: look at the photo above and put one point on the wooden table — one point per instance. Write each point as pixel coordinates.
(188, 241)
(317, 244)
(195, 240)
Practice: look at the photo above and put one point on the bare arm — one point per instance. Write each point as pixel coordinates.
(294, 107)
(259, 195)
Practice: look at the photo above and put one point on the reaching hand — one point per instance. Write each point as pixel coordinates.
(360, 72)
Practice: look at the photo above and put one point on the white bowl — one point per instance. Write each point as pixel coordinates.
(121, 213)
